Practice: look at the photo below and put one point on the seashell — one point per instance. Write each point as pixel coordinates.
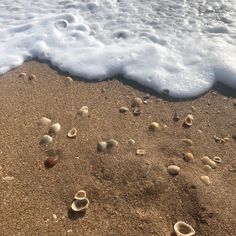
(22, 74)
(55, 128)
(193, 108)
(154, 126)
(207, 168)
(187, 141)
(44, 121)
(207, 161)
(137, 111)
(83, 111)
(217, 159)
(140, 152)
(55, 217)
(51, 161)
(176, 116)
(32, 77)
(46, 139)
(173, 169)
(72, 133)
(101, 146)
(81, 194)
(205, 179)
(183, 229)
(80, 205)
(188, 121)
(131, 142)
(68, 80)
(111, 143)
(188, 156)
(137, 102)
(124, 109)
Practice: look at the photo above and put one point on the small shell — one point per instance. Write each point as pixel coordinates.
(140, 152)
(217, 159)
(154, 126)
(101, 146)
(44, 121)
(187, 141)
(188, 156)
(72, 133)
(207, 161)
(188, 121)
(83, 111)
(176, 116)
(111, 143)
(205, 179)
(32, 77)
(80, 205)
(68, 80)
(81, 194)
(55, 128)
(46, 139)
(137, 102)
(207, 168)
(131, 142)
(173, 169)
(51, 161)
(136, 111)
(183, 229)
(124, 109)
(22, 74)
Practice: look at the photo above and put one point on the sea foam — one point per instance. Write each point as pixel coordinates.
(180, 47)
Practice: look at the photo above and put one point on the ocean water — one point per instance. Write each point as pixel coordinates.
(181, 47)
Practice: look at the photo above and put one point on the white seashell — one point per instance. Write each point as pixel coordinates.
(207, 168)
(137, 102)
(83, 111)
(131, 142)
(68, 80)
(101, 146)
(44, 121)
(205, 179)
(140, 152)
(55, 128)
(154, 126)
(187, 141)
(188, 156)
(173, 169)
(207, 161)
(81, 194)
(46, 139)
(22, 74)
(111, 143)
(80, 205)
(188, 121)
(124, 109)
(72, 133)
(183, 229)
(217, 159)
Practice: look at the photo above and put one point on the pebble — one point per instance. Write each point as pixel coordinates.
(112, 143)
(205, 179)
(55, 217)
(140, 152)
(72, 133)
(55, 128)
(101, 146)
(44, 121)
(207, 168)
(146, 96)
(207, 161)
(188, 156)
(176, 116)
(137, 102)
(83, 111)
(51, 161)
(8, 178)
(46, 139)
(124, 109)
(154, 126)
(32, 77)
(193, 108)
(187, 141)
(173, 169)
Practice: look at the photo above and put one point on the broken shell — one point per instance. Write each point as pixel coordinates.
(173, 169)
(111, 143)
(32, 77)
(137, 102)
(131, 142)
(55, 128)
(44, 121)
(140, 152)
(188, 156)
(80, 205)
(183, 229)
(207, 168)
(123, 109)
(46, 139)
(188, 121)
(217, 159)
(137, 112)
(83, 111)
(205, 179)
(81, 194)
(176, 116)
(22, 74)
(101, 146)
(187, 141)
(51, 161)
(154, 126)
(72, 133)
(207, 161)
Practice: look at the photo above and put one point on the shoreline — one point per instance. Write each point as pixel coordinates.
(129, 194)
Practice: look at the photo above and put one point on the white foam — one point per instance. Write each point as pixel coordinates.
(181, 46)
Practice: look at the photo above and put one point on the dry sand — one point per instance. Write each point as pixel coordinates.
(129, 194)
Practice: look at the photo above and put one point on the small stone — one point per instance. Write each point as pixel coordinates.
(83, 111)
(217, 159)
(140, 152)
(101, 146)
(137, 112)
(22, 74)
(32, 77)
(188, 156)
(154, 126)
(44, 121)
(207, 168)
(103, 90)
(173, 170)
(55, 128)
(137, 102)
(207, 161)
(8, 178)
(193, 108)
(112, 143)
(205, 179)
(131, 142)
(124, 109)
(46, 139)
(54, 217)
(176, 116)
(187, 141)
(51, 161)
(146, 96)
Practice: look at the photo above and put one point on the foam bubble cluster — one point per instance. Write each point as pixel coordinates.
(181, 47)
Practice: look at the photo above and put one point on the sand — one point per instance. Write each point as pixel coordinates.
(128, 194)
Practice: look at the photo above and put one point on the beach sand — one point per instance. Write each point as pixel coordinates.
(129, 194)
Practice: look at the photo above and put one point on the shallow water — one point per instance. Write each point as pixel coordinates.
(181, 46)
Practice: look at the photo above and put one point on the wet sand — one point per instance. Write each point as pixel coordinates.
(129, 194)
